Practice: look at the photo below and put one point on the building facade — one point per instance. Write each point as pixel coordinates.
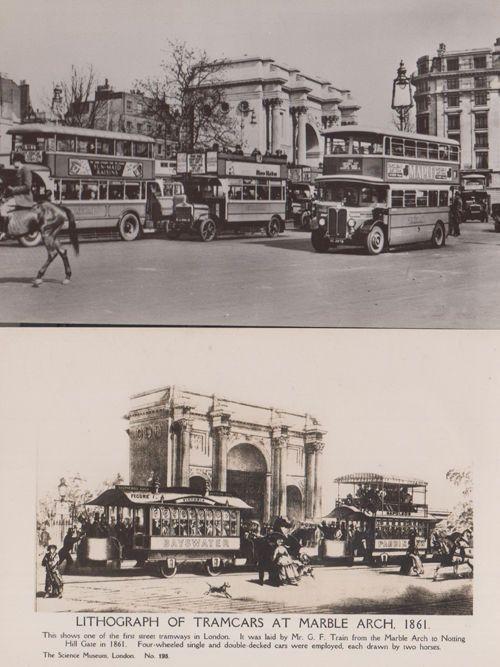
(458, 96)
(14, 107)
(270, 458)
(280, 109)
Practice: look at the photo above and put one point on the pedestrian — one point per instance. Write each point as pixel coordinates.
(287, 570)
(70, 539)
(53, 580)
(456, 212)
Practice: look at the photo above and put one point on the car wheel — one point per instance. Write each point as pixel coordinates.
(129, 227)
(30, 240)
(375, 241)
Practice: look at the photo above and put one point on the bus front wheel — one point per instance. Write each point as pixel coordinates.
(213, 570)
(273, 228)
(438, 235)
(375, 241)
(129, 227)
(30, 240)
(208, 230)
(167, 571)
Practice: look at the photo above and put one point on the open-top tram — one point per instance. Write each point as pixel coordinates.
(164, 527)
(378, 516)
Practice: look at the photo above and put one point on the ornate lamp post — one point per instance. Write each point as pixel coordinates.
(402, 99)
(62, 489)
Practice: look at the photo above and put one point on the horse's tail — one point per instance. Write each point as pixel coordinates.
(73, 232)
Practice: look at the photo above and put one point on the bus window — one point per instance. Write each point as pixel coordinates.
(123, 147)
(116, 190)
(248, 189)
(235, 191)
(140, 149)
(433, 198)
(443, 198)
(70, 190)
(433, 151)
(443, 152)
(103, 189)
(454, 153)
(89, 190)
(397, 147)
(421, 197)
(276, 192)
(84, 145)
(409, 148)
(66, 144)
(422, 149)
(132, 190)
(105, 146)
(410, 198)
(263, 190)
(387, 146)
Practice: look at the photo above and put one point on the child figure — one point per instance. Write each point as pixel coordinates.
(53, 580)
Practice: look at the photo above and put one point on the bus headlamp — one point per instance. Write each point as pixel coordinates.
(322, 222)
(351, 223)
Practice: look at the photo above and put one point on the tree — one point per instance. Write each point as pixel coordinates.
(461, 517)
(73, 101)
(188, 101)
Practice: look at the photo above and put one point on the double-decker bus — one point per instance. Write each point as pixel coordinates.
(230, 193)
(164, 527)
(106, 178)
(381, 189)
(375, 516)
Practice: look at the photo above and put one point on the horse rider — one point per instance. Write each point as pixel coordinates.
(20, 196)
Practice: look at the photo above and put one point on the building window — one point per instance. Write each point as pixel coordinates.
(479, 62)
(453, 83)
(422, 104)
(454, 122)
(423, 124)
(140, 108)
(129, 105)
(481, 140)
(452, 64)
(480, 81)
(139, 127)
(481, 160)
(422, 86)
(129, 126)
(423, 67)
(481, 121)
(481, 99)
(453, 100)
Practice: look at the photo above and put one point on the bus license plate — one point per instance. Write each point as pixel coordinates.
(216, 562)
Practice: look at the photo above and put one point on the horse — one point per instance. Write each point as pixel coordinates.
(452, 553)
(48, 219)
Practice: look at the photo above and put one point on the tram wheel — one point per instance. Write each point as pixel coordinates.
(273, 228)
(30, 240)
(129, 227)
(167, 572)
(375, 241)
(438, 236)
(212, 570)
(319, 242)
(208, 230)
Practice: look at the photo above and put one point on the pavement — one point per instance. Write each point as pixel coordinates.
(339, 589)
(256, 281)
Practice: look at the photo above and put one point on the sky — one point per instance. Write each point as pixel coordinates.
(406, 403)
(356, 44)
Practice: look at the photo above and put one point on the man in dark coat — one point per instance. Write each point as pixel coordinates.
(456, 212)
(264, 549)
(70, 539)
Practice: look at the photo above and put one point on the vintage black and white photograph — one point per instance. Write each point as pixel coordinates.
(266, 163)
(222, 472)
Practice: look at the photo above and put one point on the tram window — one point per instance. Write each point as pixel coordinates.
(105, 146)
(66, 144)
(339, 146)
(132, 190)
(410, 198)
(209, 529)
(84, 145)
(454, 153)
(234, 523)
(422, 149)
(201, 522)
(262, 190)
(397, 147)
(155, 521)
(193, 522)
(433, 151)
(409, 148)
(103, 190)
(433, 198)
(421, 197)
(90, 190)
(115, 190)
(248, 190)
(443, 152)
(70, 190)
(443, 198)
(235, 192)
(123, 147)
(140, 149)
(217, 523)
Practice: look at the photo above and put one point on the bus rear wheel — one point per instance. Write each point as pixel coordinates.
(213, 570)
(319, 242)
(208, 230)
(30, 240)
(375, 241)
(167, 571)
(273, 228)
(438, 235)
(129, 227)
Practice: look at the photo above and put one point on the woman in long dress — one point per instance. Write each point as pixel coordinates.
(287, 571)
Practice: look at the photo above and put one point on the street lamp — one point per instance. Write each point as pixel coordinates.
(402, 100)
(62, 489)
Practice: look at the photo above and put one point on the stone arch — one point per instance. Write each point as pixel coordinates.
(246, 475)
(313, 143)
(198, 484)
(294, 502)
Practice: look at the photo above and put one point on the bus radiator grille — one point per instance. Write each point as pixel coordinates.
(332, 222)
(342, 223)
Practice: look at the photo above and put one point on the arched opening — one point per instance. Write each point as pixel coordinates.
(246, 476)
(294, 503)
(312, 143)
(198, 484)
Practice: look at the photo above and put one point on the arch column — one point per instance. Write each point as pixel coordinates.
(280, 444)
(276, 129)
(182, 430)
(310, 470)
(301, 135)
(317, 481)
(221, 432)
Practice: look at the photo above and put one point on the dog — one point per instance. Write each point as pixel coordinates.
(305, 570)
(218, 590)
